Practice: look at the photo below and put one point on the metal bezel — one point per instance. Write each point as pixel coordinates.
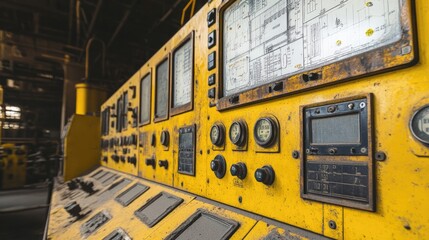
(221, 139)
(411, 124)
(242, 134)
(341, 109)
(273, 132)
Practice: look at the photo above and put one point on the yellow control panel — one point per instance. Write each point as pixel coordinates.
(313, 114)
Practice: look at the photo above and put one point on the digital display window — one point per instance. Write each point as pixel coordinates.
(145, 96)
(343, 129)
(267, 40)
(162, 90)
(182, 86)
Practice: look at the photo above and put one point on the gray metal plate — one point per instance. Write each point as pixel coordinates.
(205, 225)
(113, 189)
(157, 208)
(131, 194)
(118, 234)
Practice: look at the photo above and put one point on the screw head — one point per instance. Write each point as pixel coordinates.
(362, 105)
(332, 224)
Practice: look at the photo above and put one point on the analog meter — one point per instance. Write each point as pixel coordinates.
(217, 134)
(237, 133)
(265, 131)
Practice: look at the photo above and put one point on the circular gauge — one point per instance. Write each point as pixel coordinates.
(165, 136)
(265, 131)
(237, 133)
(217, 133)
(419, 124)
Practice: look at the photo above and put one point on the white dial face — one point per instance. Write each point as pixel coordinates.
(235, 132)
(264, 41)
(182, 76)
(264, 130)
(214, 134)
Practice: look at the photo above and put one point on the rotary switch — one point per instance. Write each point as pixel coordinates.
(265, 175)
(218, 166)
(165, 137)
(151, 162)
(239, 170)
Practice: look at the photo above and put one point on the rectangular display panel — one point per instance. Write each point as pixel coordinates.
(343, 129)
(187, 150)
(204, 225)
(145, 95)
(340, 180)
(183, 73)
(162, 92)
(131, 194)
(268, 40)
(157, 208)
(337, 164)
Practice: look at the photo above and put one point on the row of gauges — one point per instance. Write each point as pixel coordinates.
(264, 132)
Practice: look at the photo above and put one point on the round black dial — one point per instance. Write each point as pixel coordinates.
(237, 133)
(265, 131)
(217, 134)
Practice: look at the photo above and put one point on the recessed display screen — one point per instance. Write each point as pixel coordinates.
(343, 129)
(182, 76)
(267, 40)
(145, 93)
(161, 103)
(187, 150)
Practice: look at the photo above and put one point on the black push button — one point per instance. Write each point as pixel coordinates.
(265, 175)
(211, 64)
(212, 79)
(211, 17)
(211, 40)
(211, 93)
(218, 166)
(239, 170)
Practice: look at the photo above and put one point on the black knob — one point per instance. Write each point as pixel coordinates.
(73, 209)
(72, 185)
(122, 158)
(239, 170)
(133, 160)
(115, 158)
(105, 159)
(165, 138)
(150, 162)
(218, 166)
(163, 163)
(87, 186)
(265, 175)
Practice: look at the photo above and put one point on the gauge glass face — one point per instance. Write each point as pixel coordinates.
(235, 132)
(420, 125)
(264, 130)
(214, 134)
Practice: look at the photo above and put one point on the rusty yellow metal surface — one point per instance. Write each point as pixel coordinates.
(13, 166)
(89, 98)
(401, 183)
(81, 145)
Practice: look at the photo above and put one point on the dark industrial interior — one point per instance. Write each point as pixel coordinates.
(42, 56)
